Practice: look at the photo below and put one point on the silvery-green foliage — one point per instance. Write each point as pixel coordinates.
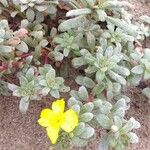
(32, 9)
(9, 40)
(4, 89)
(28, 89)
(120, 135)
(35, 39)
(85, 81)
(127, 27)
(96, 8)
(105, 112)
(143, 32)
(40, 5)
(145, 19)
(111, 117)
(106, 65)
(88, 35)
(79, 103)
(50, 84)
(37, 8)
(146, 92)
(112, 89)
(66, 43)
(144, 28)
(98, 35)
(142, 68)
(116, 35)
(5, 35)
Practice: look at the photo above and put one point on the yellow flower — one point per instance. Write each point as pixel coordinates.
(55, 119)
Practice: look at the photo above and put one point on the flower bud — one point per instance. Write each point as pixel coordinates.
(114, 128)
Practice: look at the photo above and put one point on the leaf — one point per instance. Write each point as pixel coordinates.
(133, 138)
(120, 112)
(24, 104)
(41, 8)
(90, 40)
(43, 43)
(23, 81)
(147, 54)
(55, 93)
(74, 94)
(147, 74)
(30, 74)
(118, 122)
(98, 88)
(78, 142)
(45, 91)
(30, 15)
(146, 92)
(98, 103)
(130, 125)
(87, 133)
(5, 49)
(138, 69)
(66, 52)
(12, 87)
(122, 71)
(120, 103)
(128, 28)
(104, 143)
(104, 121)
(89, 83)
(22, 47)
(83, 93)
(79, 129)
(145, 18)
(116, 87)
(76, 108)
(72, 101)
(72, 23)
(88, 107)
(5, 3)
(50, 76)
(86, 117)
(101, 15)
(79, 80)
(78, 62)
(100, 76)
(78, 12)
(117, 77)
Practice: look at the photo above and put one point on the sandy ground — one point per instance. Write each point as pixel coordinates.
(21, 132)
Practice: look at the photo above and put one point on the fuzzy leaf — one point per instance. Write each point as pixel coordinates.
(138, 69)
(88, 107)
(78, 142)
(24, 104)
(78, 12)
(87, 133)
(86, 117)
(22, 47)
(83, 93)
(104, 121)
(79, 129)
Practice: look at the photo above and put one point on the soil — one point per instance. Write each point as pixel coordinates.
(21, 132)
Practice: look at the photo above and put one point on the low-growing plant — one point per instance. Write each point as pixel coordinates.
(96, 38)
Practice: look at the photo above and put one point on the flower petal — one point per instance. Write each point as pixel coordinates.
(46, 117)
(53, 133)
(58, 106)
(71, 120)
